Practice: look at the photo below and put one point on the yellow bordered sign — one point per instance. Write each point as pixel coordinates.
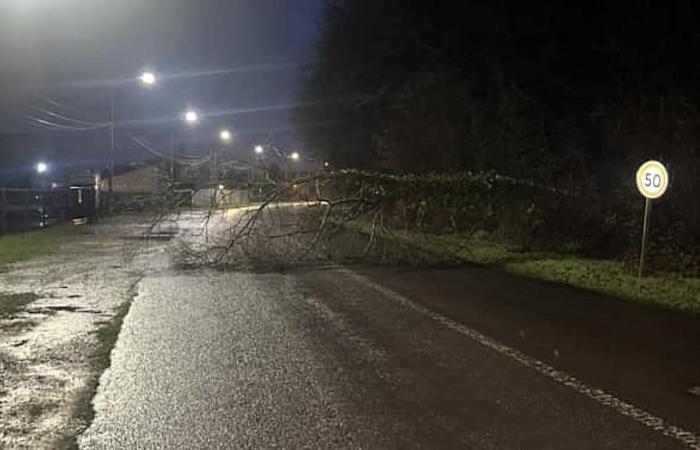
(652, 179)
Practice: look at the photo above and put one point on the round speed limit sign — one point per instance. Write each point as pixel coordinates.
(652, 179)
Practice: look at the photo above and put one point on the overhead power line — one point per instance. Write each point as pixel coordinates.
(193, 161)
(36, 121)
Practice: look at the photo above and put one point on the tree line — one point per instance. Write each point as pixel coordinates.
(570, 95)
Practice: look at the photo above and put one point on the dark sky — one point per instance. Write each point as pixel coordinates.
(218, 56)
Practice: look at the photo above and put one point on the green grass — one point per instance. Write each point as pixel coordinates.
(12, 304)
(17, 326)
(83, 412)
(107, 336)
(612, 278)
(615, 279)
(20, 247)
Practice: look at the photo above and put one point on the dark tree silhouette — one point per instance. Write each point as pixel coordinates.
(572, 95)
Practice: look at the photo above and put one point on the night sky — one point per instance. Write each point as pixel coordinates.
(69, 57)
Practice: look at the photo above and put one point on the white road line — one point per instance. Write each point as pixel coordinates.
(639, 415)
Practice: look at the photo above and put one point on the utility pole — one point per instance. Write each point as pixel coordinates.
(172, 155)
(3, 210)
(110, 158)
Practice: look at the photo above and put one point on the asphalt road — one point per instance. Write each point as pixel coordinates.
(389, 358)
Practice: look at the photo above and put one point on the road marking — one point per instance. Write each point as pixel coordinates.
(626, 409)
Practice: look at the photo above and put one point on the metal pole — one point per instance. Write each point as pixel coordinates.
(645, 235)
(110, 161)
(172, 155)
(3, 212)
(43, 208)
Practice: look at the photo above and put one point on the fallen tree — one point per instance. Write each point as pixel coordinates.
(350, 215)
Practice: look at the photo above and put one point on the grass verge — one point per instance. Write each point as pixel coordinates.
(615, 279)
(106, 335)
(23, 246)
(612, 278)
(11, 304)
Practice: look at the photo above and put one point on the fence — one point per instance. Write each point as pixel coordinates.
(23, 209)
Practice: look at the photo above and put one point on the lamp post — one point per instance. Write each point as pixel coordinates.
(191, 118)
(225, 139)
(41, 168)
(147, 79)
(294, 156)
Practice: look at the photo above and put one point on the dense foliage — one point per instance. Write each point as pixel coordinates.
(572, 96)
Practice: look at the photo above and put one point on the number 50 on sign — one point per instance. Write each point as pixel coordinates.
(652, 179)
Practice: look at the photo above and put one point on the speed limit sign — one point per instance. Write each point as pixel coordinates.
(652, 179)
(652, 182)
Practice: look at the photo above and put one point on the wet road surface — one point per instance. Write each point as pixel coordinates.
(389, 358)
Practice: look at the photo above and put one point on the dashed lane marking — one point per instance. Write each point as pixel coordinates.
(622, 407)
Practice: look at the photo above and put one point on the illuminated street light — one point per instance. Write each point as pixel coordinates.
(326, 164)
(42, 167)
(191, 117)
(259, 150)
(294, 156)
(148, 78)
(225, 136)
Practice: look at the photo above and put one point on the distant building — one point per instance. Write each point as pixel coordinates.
(136, 179)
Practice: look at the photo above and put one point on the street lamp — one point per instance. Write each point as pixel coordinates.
(259, 149)
(294, 156)
(191, 117)
(225, 136)
(148, 78)
(42, 167)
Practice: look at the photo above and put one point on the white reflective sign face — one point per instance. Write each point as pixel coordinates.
(652, 179)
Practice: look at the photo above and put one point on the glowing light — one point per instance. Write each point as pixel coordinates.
(221, 187)
(225, 135)
(148, 78)
(191, 117)
(259, 149)
(326, 164)
(42, 167)
(294, 156)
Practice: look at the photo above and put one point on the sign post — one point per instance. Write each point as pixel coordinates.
(652, 182)
(645, 232)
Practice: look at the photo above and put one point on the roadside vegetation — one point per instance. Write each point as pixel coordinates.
(461, 217)
(484, 132)
(106, 337)
(23, 246)
(609, 277)
(12, 304)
